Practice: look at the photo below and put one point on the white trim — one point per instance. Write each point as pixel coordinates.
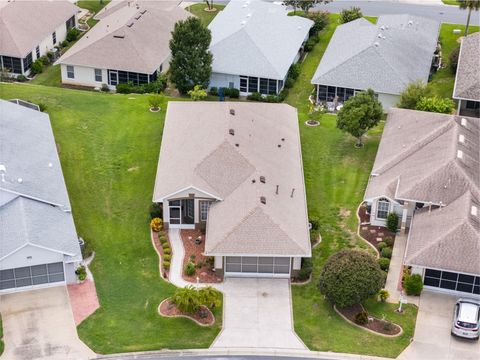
(32, 197)
(38, 246)
(34, 287)
(182, 226)
(257, 275)
(167, 197)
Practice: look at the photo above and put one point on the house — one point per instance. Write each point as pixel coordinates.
(427, 170)
(38, 243)
(467, 80)
(130, 43)
(30, 29)
(385, 57)
(254, 43)
(235, 169)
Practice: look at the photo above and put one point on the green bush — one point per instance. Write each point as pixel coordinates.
(305, 270)
(50, 56)
(453, 59)
(389, 241)
(347, 15)
(42, 107)
(271, 99)
(361, 318)
(386, 252)
(436, 104)
(315, 221)
(73, 34)
(384, 263)
(36, 67)
(165, 245)
(167, 250)
(413, 284)
(289, 83)
(392, 222)
(294, 71)
(156, 86)
(81, 273)
(320, 21)
(167, 257)
(190, 269)
(155, 101)
(166, 265)
(310, 44)
(234, 93)
(124, 88)
(64, 43)
(412, 95)
(255, 96)
(156, 210)
(381, 245)
(21, 78)
(383, 295)
(283, 95)
(213, 91)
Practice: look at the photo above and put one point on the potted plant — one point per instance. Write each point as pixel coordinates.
(81, 273)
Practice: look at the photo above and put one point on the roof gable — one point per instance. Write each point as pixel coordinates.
(467, 83)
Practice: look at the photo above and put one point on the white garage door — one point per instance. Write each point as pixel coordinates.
(31, 275)
(253, 266)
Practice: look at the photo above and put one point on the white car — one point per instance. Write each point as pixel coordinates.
(466, 319)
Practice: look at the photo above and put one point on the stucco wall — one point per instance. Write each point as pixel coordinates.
(84, 76)
(388, 100)
(29, 256)
(223, 80)
(394, 207)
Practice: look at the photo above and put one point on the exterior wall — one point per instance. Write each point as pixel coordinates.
(30, 256)
(388, 100)
(84, 76)
(394, 207)
(223, 80)
(464, 111)
(70, 276)
(297, 263)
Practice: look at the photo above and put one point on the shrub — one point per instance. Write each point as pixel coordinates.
(156, 224)
(167, 250)
(45, 60)
(255, 96)
(309, 45)
(197, 93)
(124, 88)
(210, 297)
(165, 246)
(384, 263)
(187, 299)
(271, 99)
(412, 94)
(289, 83)
(50, 56)
(283, 95)
(386, 252)
(105, 88)
(163, 240)
(234, 93)
(306, 269)
(350, 277)
(383, 295)
(64, 43)
(199, 265)
(453, 59)
(166, 265)
(155, 100)
(36, 67)
(381, 245)
(167, 257)
(87, 249)
(156, 210)
(389, 241)
(156, 86)
(21, 78)
(42, 107)
(315, 222)
(81, 273)
(294, 71)
(190, 269)
(413, 284)
(387, 325)
(392, 222)
(351, 14)
(214, 91)
(436, 104)
(361, 318)
(73, 34)
(320, 21)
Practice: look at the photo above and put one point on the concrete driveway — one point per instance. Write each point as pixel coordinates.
(38, 325)
(257, 314)
(432, 339)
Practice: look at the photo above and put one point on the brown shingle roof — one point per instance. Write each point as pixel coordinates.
(467, 81)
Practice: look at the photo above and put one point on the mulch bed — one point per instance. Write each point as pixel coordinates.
(373, 324)
(373, 234)
(169, 309)
(205, 273)
(159, 248)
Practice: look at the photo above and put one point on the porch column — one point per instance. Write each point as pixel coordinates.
(403, 226)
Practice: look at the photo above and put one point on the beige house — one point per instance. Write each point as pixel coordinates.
(235, 169)
(427, 170)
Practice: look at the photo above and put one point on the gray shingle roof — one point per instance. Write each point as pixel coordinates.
(198, 151)
(35, 209)
(256, 38)
(141, 47)
(24, 24)
(386, 56)
(467, 81)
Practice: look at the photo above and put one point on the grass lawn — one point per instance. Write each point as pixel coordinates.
(94, 6)
(443, 80)
(451, 2)
(336, 174)
(2, 345)
(205, 16)
(109, 148)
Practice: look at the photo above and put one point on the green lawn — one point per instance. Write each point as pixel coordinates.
(109, 148)
(205, 16)
(94, 6)
(2, 345)
(443, 80)
(451, 2)
(336, 174)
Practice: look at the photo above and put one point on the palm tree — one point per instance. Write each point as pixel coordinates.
(470, 5)
(187, 299)
(210, 297)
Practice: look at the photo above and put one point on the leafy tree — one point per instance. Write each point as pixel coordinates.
(197, 93)
(359, 114)
(436, 104)
(351, 14)
(306, 5)
(470, 5)
(187, 299)
(209, 4)
(350, 277)
(191, 62)
(320, 21)
(293, 3)
(412, 94)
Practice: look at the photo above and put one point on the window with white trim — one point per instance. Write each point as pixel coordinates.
(70, 72)
(98, 75)
(54, 37)
(382, 208)
(204, 207)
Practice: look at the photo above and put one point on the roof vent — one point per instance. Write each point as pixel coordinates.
(231, 132)
(283, 139)
(460, 154)
(130, 25)
(20, 180)
(463, 122)
(379, 36)
(276, 191)
(263, 200)
(279, 145)
(474, 211)
(232, 112)
(410, 23)
(461, 139)
(237, 144)
(262, 179)
(254, 181)
(143, 12)
(138, 16)
(382, 27)
(119, 36)
(293, 191)
(376, 44)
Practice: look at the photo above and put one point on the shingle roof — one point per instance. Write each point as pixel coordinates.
(198, 151)
(24, 24)
(256, 38)
(467, 81)
(34, 205)
(131, 38)
(386, 56)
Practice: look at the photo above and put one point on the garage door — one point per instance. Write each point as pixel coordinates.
(31, 276)
(453, 281)
(257, 266)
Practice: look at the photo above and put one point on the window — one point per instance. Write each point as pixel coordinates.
(12, 64)
(272, 87)
(331, 93)
(54, 37)
(37, 51)
(112, 77)
(98, 75)
(452, 281)
(70, 72)
(204, 207)
(263, 86)
(280, 85)
(382, 208)
(472, 105)
(349, 93)
(70, 23)
(252, 84)
(243, 83)
(341, 94)
(322, 93)
(27, 62)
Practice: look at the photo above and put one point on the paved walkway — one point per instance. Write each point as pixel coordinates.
(83, 299)
(176, 263)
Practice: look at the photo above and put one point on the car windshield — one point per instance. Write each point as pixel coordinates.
(466, 325)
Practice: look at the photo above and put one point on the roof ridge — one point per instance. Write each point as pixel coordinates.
(390, 66)
(260, 49)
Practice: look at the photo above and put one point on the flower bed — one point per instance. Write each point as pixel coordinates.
(161, 252)
(373, 234)
(169, 309)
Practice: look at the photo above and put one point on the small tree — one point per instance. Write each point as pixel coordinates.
(197, 93)
(392, 222)
(412, 94)
(210, 297)
(36, 67)
(359, 114)
(155, 101)
(470, 5)
(209, 5)
(191, 62)
(413, 284)
(383, 295)
(351, 14)
(187, 299)
(73, 34)
(436, 104)
(349, 277)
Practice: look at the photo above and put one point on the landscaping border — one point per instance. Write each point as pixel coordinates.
(358, 231)
(160, 259)
(186, 316)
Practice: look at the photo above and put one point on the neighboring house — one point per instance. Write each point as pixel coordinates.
(235, 169)
(38, 243)
(130, 43)
(467, 80)
(254, 43)
(427, 170)
(385, 57)
(30, 29)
